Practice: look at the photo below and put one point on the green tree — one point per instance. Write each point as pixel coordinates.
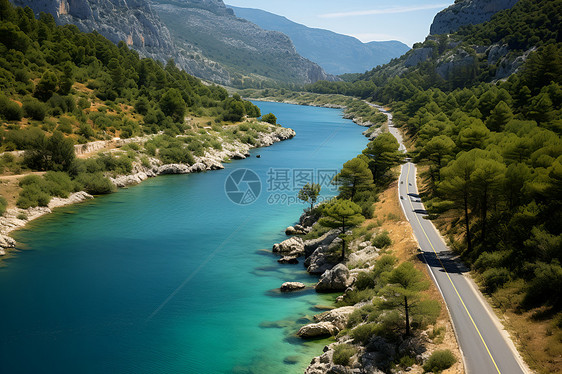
(383, 154)
(499, 117)
(342, 214)
(270, 118)
(354, 177)
(438, 150)
(404, 284)
(172, 104)
(309, 193)
(46, 86)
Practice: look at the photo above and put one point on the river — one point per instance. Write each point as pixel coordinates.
(172, 276)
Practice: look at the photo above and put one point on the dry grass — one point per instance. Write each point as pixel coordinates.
(390, 216)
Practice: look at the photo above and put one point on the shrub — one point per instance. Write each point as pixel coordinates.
(31, 196)
(95, 183)
(365, 280)
(10, 110)
(362, 334)
(489, 260)
(270, 118)
(382, 240)
(439, 361)
(34, 109)
(3, 205)
(495, 278)
(343, 354)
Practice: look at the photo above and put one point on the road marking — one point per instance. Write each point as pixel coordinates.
(447, 273)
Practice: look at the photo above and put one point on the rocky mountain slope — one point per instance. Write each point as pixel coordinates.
(467, 12)
(203, 37)
(336, 53)
(250, 53)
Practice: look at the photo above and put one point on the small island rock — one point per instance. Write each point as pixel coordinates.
(292, 286)
(318, 330)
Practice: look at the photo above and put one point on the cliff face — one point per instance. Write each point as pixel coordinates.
(131, 21)
(203, 37)
(244, 48)
(467, 12)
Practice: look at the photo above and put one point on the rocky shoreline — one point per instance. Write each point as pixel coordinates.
(317, 256)
(16, 218)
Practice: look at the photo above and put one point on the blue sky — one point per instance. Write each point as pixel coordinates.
(367, 20)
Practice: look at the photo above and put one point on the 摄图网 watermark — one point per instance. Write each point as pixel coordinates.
(244, 186)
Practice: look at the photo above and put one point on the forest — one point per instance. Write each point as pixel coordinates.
(491, 151)
(61, 87)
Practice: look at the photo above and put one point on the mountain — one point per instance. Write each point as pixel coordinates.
(336, 53)
(249, 52)
(467, 12)
(202, 36)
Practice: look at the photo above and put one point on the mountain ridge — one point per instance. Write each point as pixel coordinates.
(336, 53)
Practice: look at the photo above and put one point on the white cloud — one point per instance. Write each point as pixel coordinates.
(369, 12)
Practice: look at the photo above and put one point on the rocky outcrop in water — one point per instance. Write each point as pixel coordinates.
(292, 286)
(467, 12)
(317, 330)
(293, 247)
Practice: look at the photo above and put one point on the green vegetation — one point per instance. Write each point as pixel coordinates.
(439, 361)
(397, 307)
(3, 205)
(343, 354)
(342, 214)
(309, 194)
(493, 149)
(382, 240)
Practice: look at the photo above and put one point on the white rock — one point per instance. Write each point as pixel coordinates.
(292, 286)
(337, 279)
(338, 317)
(317, 330)
(294, 246)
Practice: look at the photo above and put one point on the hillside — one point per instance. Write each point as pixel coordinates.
(467, 12)
(492, 151)
(186, 31)
(68, 95)
(238, 45)
(337, 54)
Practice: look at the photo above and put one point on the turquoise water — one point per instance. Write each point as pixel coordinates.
(170, 276)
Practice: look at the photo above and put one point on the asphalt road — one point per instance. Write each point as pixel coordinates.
(485, 346)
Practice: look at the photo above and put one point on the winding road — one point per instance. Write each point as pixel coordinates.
(485, 345)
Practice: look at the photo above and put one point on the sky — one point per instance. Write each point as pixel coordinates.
(368, 20)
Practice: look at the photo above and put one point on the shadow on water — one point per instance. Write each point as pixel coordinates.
(447, 261)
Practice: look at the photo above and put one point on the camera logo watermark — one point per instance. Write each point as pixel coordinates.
(243, 186)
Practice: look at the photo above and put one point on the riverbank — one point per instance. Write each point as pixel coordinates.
(17, 218)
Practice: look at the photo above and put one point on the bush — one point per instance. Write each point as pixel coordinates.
(270, 118)
(365, 280)
(362, 334)
(489, 260)
(495, 278)
(382, 240)
(439, 361)
(343, 354)
(95, 183)
(31, 196)
(10, 110)
(34, 109)
(3, 205)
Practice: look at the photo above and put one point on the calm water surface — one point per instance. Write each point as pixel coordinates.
(170, 276)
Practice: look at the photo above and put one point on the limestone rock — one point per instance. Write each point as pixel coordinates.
(292, 260)
(198, 167)
(317, 330)
(467, 12)
(6, 242)
(292, 286)
(297, 230)
(321, 364)
(174, 169)
(74, 198)
(311, 245)
(337, 279)
(293, 246)
(338, 317)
